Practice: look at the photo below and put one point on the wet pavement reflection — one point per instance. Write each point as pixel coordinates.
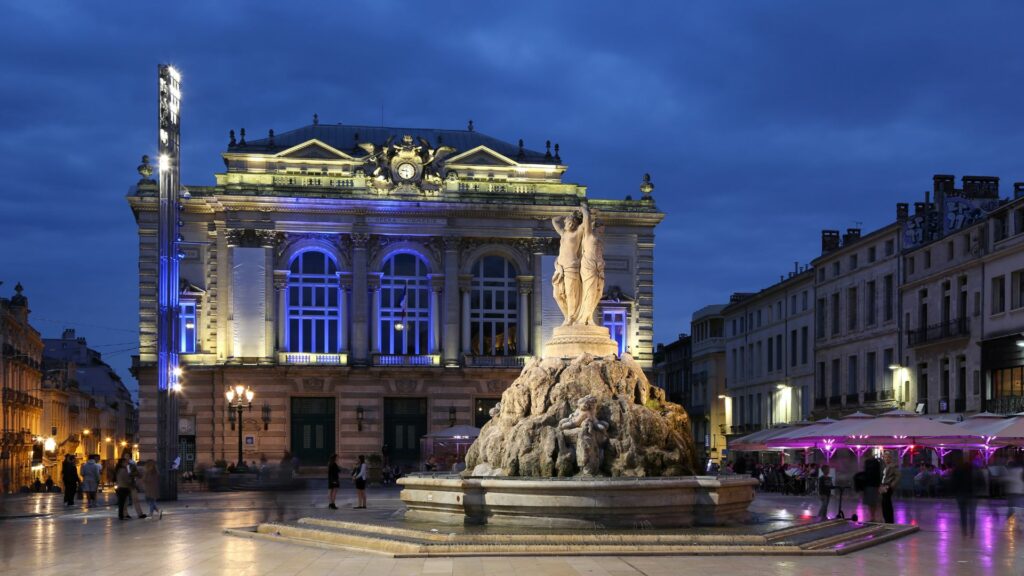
(38, 535)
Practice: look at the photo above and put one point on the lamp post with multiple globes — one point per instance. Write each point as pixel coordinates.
(239, 398)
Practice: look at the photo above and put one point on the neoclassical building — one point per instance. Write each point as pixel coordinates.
(371, 285)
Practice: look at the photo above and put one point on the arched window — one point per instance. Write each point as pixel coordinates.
(404, 305)
(493, 308)
(314, 317)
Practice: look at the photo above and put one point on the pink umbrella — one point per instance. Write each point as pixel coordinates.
(756, 441)
(825, 437)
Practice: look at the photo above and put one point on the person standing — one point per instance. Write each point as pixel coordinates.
(69, 474)
(333, 480)
(890, 483)
(359, 479)
(963, 483)
(872, 483)
(151, 487)
(1013, 487)
(122, 487)
(133, 470)
(826, 481)
(90, 479)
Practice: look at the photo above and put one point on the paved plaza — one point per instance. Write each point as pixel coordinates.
(40, 536)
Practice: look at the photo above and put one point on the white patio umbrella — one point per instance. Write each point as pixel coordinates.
(902, 429)
(1008, 431)
(756, 441)
(825, 437)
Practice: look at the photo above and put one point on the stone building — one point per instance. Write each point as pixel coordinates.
(372, 285)
(770, 351)
(21, 350)
(857, 331)
(710, 409)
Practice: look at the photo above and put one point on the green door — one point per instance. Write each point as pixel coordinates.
(405, 423)
(313, 430)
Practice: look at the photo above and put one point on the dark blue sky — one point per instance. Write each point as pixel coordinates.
(761, 122)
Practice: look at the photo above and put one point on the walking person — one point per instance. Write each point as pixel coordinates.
(359, 479)
(122, 487)
(133, 471)
(890, 483)
(90, 479)
(151, 487)
(872, 482)
(826, 481)
(333, 480)
(964, 482)
(69, 474)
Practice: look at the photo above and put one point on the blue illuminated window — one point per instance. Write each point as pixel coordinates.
(314, 314)
(615, 320)
(404, 305)
(188, 323)
(493, 308)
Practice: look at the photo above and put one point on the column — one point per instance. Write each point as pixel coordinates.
(465, 283)
(281, 298)
(358, 323)
(373, 285)
(436, 286)
(345, 285)
(525, 285)
(450, 302)
(537, 259)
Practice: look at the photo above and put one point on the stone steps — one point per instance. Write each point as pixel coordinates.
(825, 538)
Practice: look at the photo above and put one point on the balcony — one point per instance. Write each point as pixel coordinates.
(415, 360)
(884, 395)
(494, 361)
(959, 328)
(1006, 405)
(871, 396)
(312, 359)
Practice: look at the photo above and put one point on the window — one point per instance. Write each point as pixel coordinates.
(759, 318)
(870, 304)
(927, 259)
(887, 361)
(851, 308)
(851, 375)
(778, 351)
(821, 380)
(950, 251)
(187, 327)
(835, 314)
(792, 347)
(890, 247)
(770, 354)
(872, 254)
(922, 384)
(821, 275)
(804, 345)
(792, 304)
(835, 269)
(853, 261)
(778, 310)
(1018, 221)
(404, 305)
(615, 320)
(967, 244)
(888, 298)
(1017, 289)
(999, 229)
(803, 306)
(998, 294)
(835, 377)
(314, 314)
(822, 313)
(493, 308)
(869, 372)
(910, 264)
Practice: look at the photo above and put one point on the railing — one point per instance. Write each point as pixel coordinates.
(494, 361)
(886, 394)
(959, 328)
(871, 396)
(1005, 405)
(312, 359)
(18, 397)
(406, 359)
(313, 181)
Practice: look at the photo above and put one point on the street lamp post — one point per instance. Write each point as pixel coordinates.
(239, 398)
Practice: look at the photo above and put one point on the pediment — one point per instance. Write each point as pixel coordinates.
(481, 156)
(314, 150)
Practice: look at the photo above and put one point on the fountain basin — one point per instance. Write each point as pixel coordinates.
(580, 502)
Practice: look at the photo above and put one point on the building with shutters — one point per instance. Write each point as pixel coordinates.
(371, 285)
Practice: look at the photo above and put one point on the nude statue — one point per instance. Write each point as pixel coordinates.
(588, 431)
(591, 272)
(566, 281)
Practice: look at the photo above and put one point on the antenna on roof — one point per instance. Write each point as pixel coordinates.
(469, 127)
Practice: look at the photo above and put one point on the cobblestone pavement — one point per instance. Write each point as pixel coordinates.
(38, 535)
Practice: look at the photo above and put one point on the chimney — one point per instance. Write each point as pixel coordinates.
(981, 186)
(69, 334)
(851, 236)
(902, 211)
(796, 267)
(1018, 189)
(829, 240)
(920, 208)
(943, 184)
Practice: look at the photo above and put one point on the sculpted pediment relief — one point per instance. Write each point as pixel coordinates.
(481, 156)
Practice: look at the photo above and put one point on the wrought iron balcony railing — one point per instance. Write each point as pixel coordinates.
(406, 359)
(958, 328)
(494, 361)
(312, 359)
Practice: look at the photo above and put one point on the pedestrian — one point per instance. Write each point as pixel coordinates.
(48, 484)
(333, 480)
(1014, 490)
(890, 483)
(872, 482)
(90, 479)
(826, 481)
(285, 469)
(359, 479)
(965, 480)
(122, 487)
(133, 470)
(69, 474)
(151, 487)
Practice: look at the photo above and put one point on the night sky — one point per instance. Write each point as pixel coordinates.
(760, 122)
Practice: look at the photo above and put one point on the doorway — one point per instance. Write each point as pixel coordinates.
(405, 423)
(313, 430)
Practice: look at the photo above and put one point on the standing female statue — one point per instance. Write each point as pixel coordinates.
(591, 268)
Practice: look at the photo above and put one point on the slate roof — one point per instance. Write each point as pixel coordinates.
(345, 137)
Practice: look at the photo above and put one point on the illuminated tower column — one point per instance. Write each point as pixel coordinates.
(465, 285)
(450, 302)
(359, 293)
(373, 284)
(281, 298)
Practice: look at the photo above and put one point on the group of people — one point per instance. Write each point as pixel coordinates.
(127, 478)
(359, 477)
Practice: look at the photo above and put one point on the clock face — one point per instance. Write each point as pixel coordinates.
(406, 171)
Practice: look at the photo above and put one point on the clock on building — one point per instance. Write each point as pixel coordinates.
(406, 171)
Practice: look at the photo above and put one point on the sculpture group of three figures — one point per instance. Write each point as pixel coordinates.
(578, 281)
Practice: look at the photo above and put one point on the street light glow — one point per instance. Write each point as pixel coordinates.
(165, 162)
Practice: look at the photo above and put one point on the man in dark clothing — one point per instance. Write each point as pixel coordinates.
(740, 467)
(69, 474)
(964, 482)
(872, 481)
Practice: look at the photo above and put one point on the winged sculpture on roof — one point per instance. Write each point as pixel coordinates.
(384, 160)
